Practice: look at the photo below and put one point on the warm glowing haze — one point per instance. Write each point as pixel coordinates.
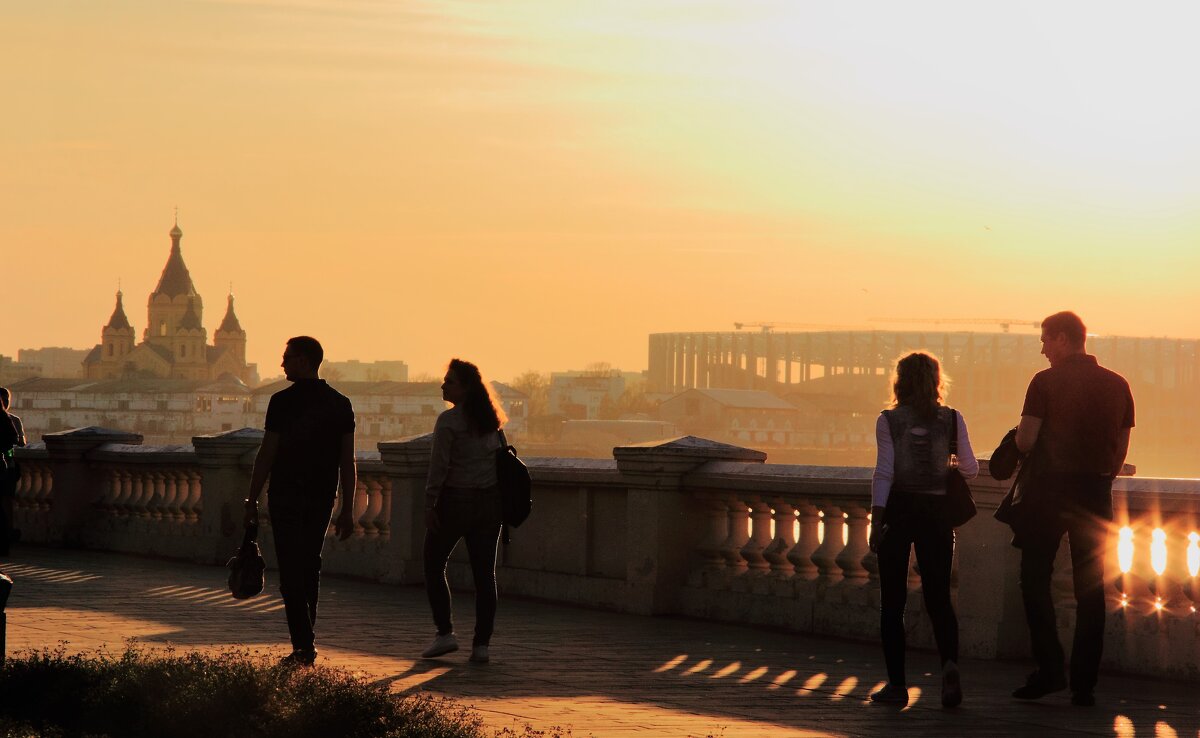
(542, 184)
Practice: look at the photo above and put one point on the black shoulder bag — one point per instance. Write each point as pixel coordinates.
(516, 488)
(960, 505)
(247, 568)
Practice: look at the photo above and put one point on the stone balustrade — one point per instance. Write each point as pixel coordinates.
(687, 526)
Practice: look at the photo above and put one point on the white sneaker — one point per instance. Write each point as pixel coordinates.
(479, 654)
(441, 645)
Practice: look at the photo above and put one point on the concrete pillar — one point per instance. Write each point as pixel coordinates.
(76, 487)
(407, 463)
(664, 525)
(226, 461)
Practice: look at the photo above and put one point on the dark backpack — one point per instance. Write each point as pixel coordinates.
(247, 568)
(516, 488)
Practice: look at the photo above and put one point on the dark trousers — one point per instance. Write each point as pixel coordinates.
(1082, 502)
(473, 515)
(921, 526)
(299, 526)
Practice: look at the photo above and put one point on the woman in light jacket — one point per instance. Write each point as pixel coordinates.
(462, 501)
(908, 511)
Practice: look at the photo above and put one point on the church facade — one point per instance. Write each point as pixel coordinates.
(174, 344)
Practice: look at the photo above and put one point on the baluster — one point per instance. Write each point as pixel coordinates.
(731, 547)
(1134, 552)
(801, 554)
(385, 507)
(785, 538)
(716, 515)
(850, 559)
(178, 489)
(1191, 557)
(45, 488)
(374, 505)
(870, 561)
(759, 537)
(194, 504)
(155, 505)
(1168, 560)
(825, 557)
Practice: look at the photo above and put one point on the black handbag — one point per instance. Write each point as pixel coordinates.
(960, 505)
(247, 570)
(516, 487)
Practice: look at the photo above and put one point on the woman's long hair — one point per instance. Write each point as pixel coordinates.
(483, 412)
(918, 382)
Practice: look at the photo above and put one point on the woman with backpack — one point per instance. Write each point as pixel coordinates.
(909, 511)
(462, 501)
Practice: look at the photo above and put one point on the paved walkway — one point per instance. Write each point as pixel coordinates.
(596, 673)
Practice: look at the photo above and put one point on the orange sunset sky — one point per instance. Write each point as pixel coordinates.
(540, 183)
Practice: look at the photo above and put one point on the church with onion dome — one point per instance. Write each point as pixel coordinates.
(174, 344)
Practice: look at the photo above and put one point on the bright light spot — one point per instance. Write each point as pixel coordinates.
(782, 679)
(1124, 601)
(1193, 553)
(1123, 727)
(914, 695)
(1193, 608)
(821, 532)
(753, 675)
(845, 534)
(1158, 551)
(814, 681)
(1125, 549)
(1158, 603)
(1162, 730)
(699, 667)
(727, 670)
(672, 663)
(846, 687)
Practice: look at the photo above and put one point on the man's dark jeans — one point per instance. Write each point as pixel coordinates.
(474, 515)
(1081, 506)
(299, 525)
(917, 523)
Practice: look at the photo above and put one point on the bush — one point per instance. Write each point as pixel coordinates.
(235, 694)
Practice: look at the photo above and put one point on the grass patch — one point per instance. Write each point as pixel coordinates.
(235, 694)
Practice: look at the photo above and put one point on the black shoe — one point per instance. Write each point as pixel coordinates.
(1083, 699)
(1038, 686)
(299, 657)
(951, 685)
(891, 694)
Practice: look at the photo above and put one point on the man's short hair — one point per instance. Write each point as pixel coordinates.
(5, 397)
(1068, 323)
(309, 348)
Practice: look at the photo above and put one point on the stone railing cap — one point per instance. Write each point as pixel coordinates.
(422, 439)
(691, 446)
(241, 434)
(91, 431)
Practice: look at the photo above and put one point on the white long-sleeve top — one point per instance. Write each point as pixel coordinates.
(885, 460)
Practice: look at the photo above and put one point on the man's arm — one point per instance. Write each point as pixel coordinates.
(258, 478)
(344, 525)
(1122, 450)
(1027, 433)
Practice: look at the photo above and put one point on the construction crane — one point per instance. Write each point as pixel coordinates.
(1005, 323)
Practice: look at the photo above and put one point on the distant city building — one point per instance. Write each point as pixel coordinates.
(53, 361)
(175, 343)
(174, 410)
(750, 417)
(365, 371)
(579, 395)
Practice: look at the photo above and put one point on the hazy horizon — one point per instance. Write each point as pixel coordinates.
(537, 185)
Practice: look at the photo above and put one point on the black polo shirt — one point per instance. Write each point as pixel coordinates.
(1083, 408)
(311, 418)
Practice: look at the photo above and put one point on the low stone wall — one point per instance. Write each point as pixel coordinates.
(687, 526)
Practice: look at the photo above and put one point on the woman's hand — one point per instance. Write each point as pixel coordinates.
(877, 532)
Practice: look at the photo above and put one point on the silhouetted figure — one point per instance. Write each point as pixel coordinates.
(307, 449)
(462, 501)
(12, 435)
(1079, 416)
(908, 511)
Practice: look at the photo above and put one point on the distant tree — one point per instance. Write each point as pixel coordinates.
(537, 386)
(424, 377)
(632, 401)
(600, 369)
(332, 374)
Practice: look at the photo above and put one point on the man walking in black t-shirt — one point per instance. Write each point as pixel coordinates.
(1079, 416)
(307, 450)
